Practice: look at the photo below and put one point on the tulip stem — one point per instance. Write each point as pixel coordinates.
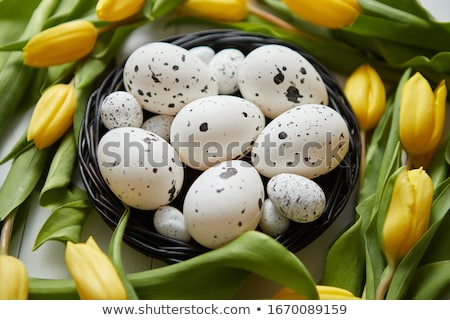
(6, 233)
(362, 165)
(409, 162)
(385, 282)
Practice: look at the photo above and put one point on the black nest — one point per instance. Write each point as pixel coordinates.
(140, 233)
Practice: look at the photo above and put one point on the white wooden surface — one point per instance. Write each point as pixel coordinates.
(48, 260)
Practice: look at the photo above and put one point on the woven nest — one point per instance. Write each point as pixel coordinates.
(140, 232)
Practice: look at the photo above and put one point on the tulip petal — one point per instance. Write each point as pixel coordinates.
(116, 10)
(13, 279)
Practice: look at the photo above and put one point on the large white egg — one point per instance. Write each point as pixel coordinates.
(224, 202)
(164, 77)
(214, 129)
(277, 78)
(140, 168)
(309, 140)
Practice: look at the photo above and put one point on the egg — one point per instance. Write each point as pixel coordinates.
(169, 221)
(203, 52)
(214, 129)
(223, 202)
(272, 221)
(277, 78)
(164, 77)
(298, 198)
(121, 109)
(141, 169)
(160, 125)
(309, 140)
(225, 66)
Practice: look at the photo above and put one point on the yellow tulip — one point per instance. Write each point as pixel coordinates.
(223, 10)
(422, 115)
(332, 14)
(52, 115)
(13, 279)
(63, 43)
(116, 10)
(366, 94)
(325, 293)
(93, 272)
(408, 214)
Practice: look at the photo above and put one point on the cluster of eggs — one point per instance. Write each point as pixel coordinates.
(256, 128)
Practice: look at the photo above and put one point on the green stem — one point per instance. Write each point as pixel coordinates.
(385, 282)
(6, 233)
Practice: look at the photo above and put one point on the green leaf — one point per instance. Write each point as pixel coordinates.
(157, 8)
(14, 46)
(22, 178)
(431, 282)
(115, 253)
(345, 261)
(21, 146)
(71, 10)
(439, 167)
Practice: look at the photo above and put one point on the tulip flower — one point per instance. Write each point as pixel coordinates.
(13, 279)
(222, 10)
(366, 94)
(422, 115)
(325, 293)
(332, 14)
(53, 115)
(93, 272)
(116, 10)
(408, 214)
(66, 42)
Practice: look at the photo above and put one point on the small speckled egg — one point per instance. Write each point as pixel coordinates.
(297, 198)
(121, 109)
(310, 140)
(160, 125)
(164, 77)
(140, 168)
(214, 129)
(203, 52)
(272, 221)
(225, 67)
(277, 78)
(169, 221)
(224, 202)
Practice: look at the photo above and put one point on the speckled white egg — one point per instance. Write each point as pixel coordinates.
(121, 109)
(272, 221)
(160, 125)
(277, 78)
(298, 198)
(224, 202)
(169, 221)
(203, 52)
(214, 129)
(225, 67)
(310, 140)
(140, 168)
(164, 77)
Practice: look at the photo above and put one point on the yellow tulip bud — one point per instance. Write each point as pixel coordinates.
(53, 115)
(422, 115)
(325, 293)
(93, 272)
(332, 14)
(366, 95)
(13, 279)
(63, 43)
(116, 10)
(223, 10)
(408, 214)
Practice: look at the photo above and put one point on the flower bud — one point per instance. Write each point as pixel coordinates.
(52, 115)
(13, 279)
(366, 94)
(222, 10)
(116, 10)
(93, 272)
(325, 293)
(422, 115)
(408, 213)
(332, 14)
(63, 43)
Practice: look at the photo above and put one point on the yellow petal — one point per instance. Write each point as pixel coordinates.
(13, 279)
(223, 10)
(116, 10)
